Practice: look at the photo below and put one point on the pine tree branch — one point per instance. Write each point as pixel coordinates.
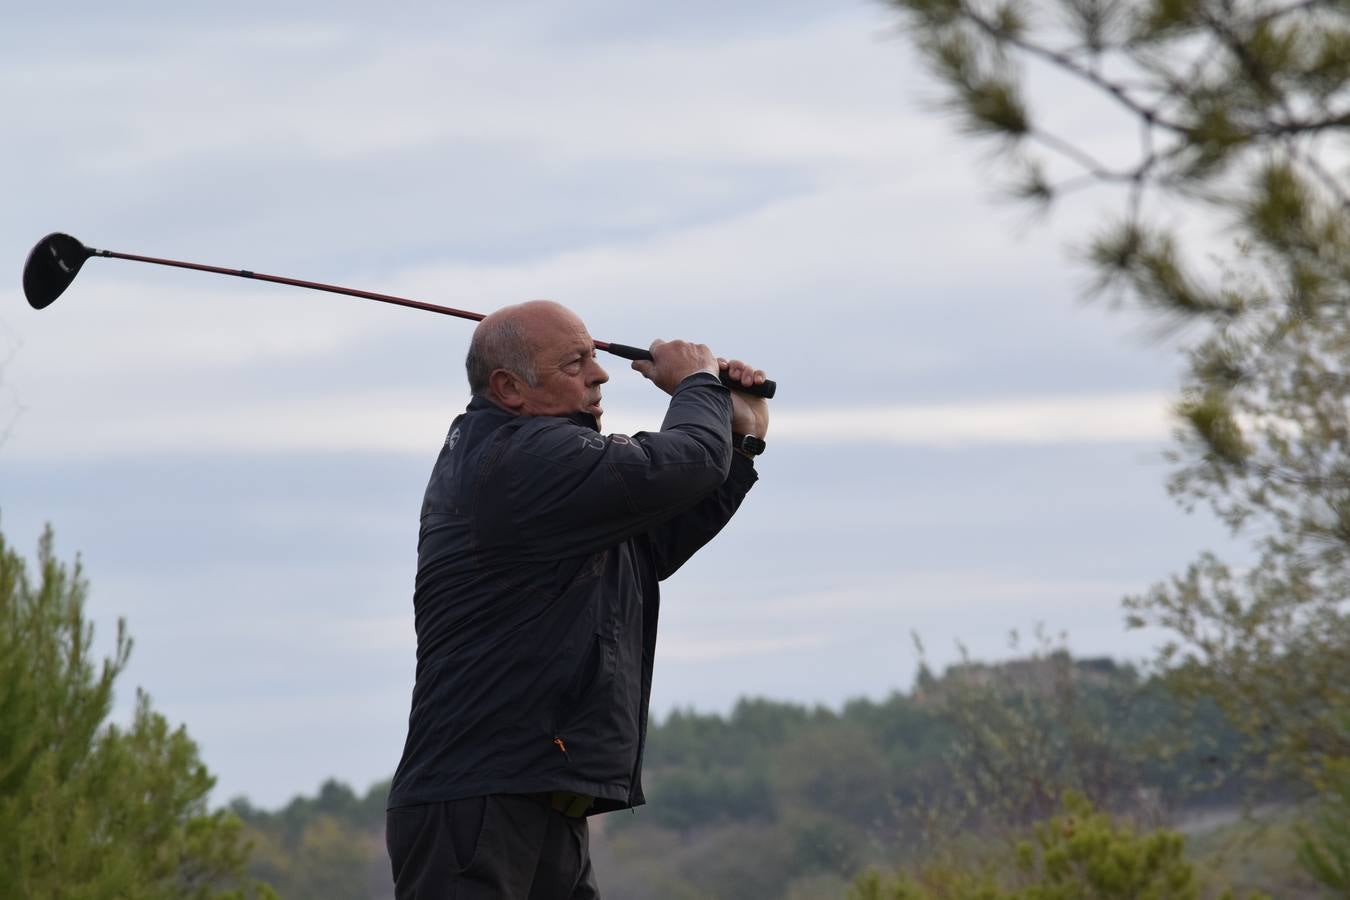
(1295, 478)
(1090, 163)
(1294, 126)
(1301, 6)
(1328, 179)
(1259, 75)
(1179, 88)
(1075, 68)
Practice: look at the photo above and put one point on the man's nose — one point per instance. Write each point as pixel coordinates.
(599, 376)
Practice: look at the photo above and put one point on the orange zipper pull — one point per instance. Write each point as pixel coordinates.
(561, 746)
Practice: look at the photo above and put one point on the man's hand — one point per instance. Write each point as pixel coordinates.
(674, 361)
(749, 415)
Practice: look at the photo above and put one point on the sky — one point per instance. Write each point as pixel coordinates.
(961, 447)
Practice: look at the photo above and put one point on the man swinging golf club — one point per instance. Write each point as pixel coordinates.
(542, 543)
(541, 546)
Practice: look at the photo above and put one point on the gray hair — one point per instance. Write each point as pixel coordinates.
(500, 344)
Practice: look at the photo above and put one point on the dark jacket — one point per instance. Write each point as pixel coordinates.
(542, 542)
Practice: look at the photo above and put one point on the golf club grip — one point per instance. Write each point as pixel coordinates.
(765, 390)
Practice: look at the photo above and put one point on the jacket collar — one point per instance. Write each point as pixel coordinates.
(479, 403)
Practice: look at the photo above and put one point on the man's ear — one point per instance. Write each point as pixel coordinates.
(504, 389)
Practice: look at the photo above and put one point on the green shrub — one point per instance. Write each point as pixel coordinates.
(1078, 854)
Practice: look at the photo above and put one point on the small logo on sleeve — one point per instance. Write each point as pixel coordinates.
(592, 441)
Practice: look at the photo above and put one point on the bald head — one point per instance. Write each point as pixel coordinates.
(548, 354)
(498, 343)
(512, 337)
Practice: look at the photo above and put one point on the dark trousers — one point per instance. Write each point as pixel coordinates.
(499, 847)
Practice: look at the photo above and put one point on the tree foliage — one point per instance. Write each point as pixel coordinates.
(90, 809)
(1025, 732)
(1078, 854)
(783, 800)
(1242, 117)
(326, 847)
(972, 755)
(1324, 846)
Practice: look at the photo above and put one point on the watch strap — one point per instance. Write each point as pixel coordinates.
(748, 444)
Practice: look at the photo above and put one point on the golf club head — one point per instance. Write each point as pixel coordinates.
(51, 267)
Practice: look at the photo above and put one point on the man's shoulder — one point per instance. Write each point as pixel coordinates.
(514, 442)
(475, 429)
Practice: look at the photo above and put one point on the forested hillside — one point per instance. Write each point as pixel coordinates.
(778, 799)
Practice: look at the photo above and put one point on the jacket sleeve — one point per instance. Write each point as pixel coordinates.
(674, 541)
(564, 489)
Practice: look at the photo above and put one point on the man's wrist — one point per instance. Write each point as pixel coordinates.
(747, 445)
(693, 379)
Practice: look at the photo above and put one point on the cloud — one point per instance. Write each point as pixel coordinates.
(778, 640)
(797, 95)
(413, 422)
(1092, 419)
(885, 242)
(841, 608)
(690, 649)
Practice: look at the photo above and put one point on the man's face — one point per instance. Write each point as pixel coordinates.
(568, 374)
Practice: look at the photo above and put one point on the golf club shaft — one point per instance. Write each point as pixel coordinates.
(296, 282)
(767, 389)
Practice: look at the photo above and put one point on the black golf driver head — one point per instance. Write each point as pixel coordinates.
(51, 267)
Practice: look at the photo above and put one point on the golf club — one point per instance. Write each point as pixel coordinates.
(56, 260)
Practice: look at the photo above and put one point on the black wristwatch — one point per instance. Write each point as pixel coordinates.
(747, 444)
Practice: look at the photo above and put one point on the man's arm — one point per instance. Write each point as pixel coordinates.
(677, 540)
(559, 489)
(673, 542)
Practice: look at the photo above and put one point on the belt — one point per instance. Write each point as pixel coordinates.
(572, 805)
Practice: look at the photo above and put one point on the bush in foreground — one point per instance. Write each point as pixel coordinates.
(90, 809)
(1079, 854)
